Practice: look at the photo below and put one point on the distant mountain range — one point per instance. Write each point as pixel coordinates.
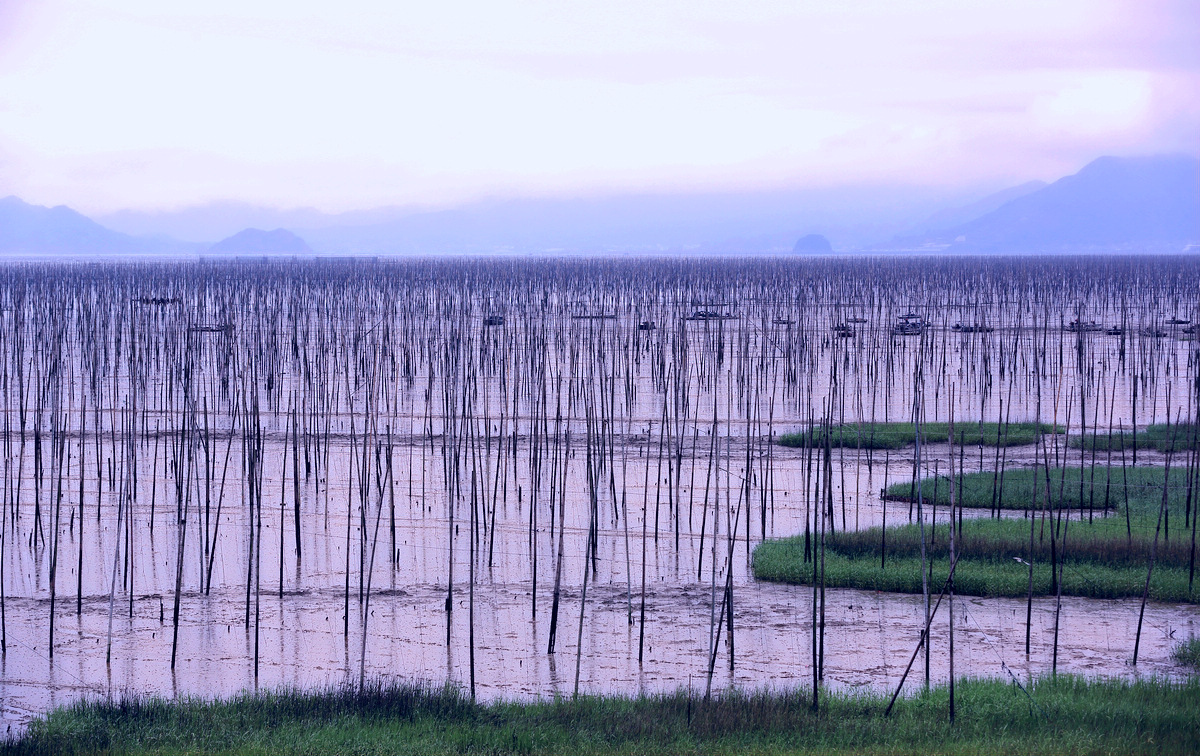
(1111, 203)
(36, 230)
(218, 220)
(1136, 204)
(952, 217)
(749, 221)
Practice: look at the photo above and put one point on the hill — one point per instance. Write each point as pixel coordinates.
(256, 241)
(33, 229)
(957, 216)
(813, 244)
(1112, 202)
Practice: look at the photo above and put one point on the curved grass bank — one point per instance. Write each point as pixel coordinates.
(1063, 715)
(1104, 556)
(900, 435)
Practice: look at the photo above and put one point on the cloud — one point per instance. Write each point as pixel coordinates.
(144, 103)
(1096, 102)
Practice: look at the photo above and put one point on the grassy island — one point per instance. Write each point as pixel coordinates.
(1102, 555)
(900, 435)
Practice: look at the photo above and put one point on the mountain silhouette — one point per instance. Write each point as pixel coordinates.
(1111, 202)
(952, 217)
(256, 241)
(34, 229)
(813, 244)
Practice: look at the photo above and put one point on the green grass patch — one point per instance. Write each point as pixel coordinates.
(783, 561)
(1188, 653)
(1062, 715)
(1162, 437)
(1103, 557)
(1072, 487)
(899, 435)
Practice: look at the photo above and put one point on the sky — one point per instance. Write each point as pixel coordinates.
(157, 105)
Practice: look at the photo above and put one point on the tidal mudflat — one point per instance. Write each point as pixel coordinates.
(529, 479)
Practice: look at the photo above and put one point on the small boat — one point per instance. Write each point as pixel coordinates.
(1178, 321)
(1154, 333)
(977, 328)
(493, 320)
(843, 331)
(1079, 326)
(856, 320)
(1115, 331)
(710, 315)
(910, 324)
(781, 321)
(646, 325)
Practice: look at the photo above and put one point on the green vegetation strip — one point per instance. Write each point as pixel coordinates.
(782, 561)
(1073, 488)
(1163, 438)
(899, 435)
(1104, 557)
(1063, 715)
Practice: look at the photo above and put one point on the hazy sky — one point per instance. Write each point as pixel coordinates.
(153, 104)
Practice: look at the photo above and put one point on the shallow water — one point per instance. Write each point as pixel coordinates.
(870, 637)
(255, 611)
(302, 639)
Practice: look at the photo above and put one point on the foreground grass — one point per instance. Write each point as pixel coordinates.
(1063, 715)
(899, 435)
(1161, 437)
(1103, 557)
